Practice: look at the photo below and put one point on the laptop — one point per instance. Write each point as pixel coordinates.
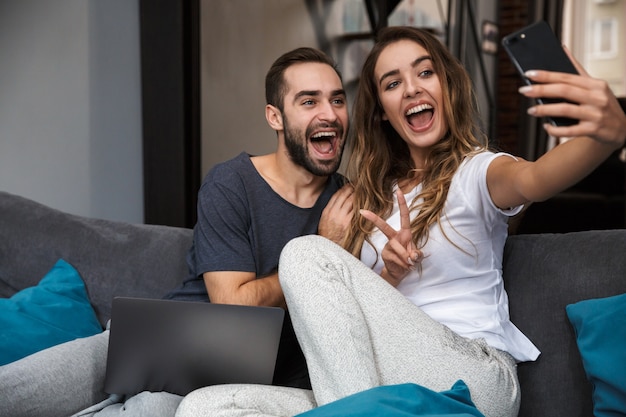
(178, 346)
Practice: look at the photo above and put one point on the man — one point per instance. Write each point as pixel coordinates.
(249, 207)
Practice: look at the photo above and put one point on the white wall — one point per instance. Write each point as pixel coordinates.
(70, 105)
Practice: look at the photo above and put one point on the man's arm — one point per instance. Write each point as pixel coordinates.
(244, 288)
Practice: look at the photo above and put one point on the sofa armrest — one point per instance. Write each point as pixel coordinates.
(113, 258)
(542, 274)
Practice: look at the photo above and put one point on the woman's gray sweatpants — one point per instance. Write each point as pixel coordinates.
(359, 332)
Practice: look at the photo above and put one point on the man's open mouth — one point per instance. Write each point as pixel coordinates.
(324, 142)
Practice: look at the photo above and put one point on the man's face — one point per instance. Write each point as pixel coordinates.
(315, 117)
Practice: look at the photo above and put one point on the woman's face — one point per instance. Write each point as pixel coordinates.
(410, 93)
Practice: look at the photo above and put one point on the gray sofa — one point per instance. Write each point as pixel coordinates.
(543, 273)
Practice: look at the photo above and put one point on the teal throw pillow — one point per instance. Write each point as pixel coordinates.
(401, 400)
(54, 311)
(600, 326)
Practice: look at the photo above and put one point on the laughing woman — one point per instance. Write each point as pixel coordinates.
(418, 295)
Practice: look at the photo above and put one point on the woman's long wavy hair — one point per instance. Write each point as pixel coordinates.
(380, 157)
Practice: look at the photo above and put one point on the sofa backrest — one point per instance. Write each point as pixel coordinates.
(543, 273)
(113, 258)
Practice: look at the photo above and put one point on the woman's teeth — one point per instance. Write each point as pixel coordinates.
(418, 109)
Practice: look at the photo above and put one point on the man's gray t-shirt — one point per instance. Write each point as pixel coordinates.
(243, 225)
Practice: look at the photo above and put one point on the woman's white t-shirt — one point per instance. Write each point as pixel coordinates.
(461, 286)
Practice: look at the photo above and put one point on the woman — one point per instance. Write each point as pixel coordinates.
(418, 295)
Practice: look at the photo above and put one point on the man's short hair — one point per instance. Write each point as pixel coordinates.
(275, 87)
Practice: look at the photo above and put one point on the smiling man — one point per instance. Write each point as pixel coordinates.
(249, 207)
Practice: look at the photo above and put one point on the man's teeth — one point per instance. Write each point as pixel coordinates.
(323, 134)
(418, 109)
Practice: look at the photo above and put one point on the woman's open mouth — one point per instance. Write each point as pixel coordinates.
(420, 117)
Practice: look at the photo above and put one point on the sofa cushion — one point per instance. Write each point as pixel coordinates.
(401, 400)
(600, 326)
(55, 311)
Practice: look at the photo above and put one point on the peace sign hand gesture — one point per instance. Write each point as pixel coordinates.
(399, 254)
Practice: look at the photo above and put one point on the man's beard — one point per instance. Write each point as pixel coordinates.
(296, 143)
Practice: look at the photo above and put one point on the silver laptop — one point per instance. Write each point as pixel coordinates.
(178, 346)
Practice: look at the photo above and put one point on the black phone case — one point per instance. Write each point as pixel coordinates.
(537, 47)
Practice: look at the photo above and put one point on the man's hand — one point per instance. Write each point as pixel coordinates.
(337, 215)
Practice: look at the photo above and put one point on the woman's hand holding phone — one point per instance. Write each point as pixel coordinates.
(590, 101)
(574, 102)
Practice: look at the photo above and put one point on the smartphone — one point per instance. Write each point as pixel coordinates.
(536, 47)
